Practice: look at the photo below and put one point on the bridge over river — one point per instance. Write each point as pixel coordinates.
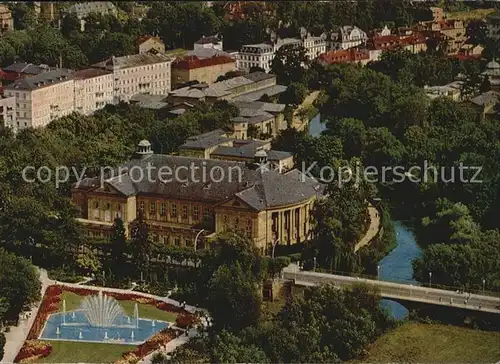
(398, 291)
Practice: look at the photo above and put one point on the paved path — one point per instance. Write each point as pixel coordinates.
(399, 291)
(14, 339)
(17, 334)
(308, 101)
(372, 229)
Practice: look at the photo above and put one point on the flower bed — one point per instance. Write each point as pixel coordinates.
(33, 350)
(186, 321)
(50, 304)
(153, 343)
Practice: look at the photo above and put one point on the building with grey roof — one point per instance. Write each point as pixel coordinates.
(185, 198)
(83, 10)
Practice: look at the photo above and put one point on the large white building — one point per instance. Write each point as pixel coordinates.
(138, 73)
(348, 36)
(52, 94)
(42, 98)
(262, 54)
(94, 88)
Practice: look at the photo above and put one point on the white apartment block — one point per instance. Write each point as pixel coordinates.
(8, 112)
(42, 98)
(94, 89)
(262, 54)
(138, 73)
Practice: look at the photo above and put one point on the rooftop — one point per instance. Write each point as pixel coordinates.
(193, 62)
(486, 99)
(208, 40)
(27, 68)
(260, 189)
(90, 73)
(206, 140)
(133, 60)
(42, 80)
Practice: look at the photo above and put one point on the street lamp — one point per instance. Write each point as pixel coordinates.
(196, 238)
(274, 246)
(484, 282)
(430, 279)
(314, 267)
(378, 271)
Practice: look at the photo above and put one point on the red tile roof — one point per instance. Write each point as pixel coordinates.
(393, 41)
(343, 56)
(192, 62)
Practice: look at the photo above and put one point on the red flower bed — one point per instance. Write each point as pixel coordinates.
(185, 321)
(50, 304)
(33, 349)
(168, 307)
(160, 338)
(81, 291)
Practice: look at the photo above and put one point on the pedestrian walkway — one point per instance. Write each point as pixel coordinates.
(372, 229)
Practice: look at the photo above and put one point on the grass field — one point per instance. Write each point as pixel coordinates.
(145, 311)
(468, 15)
(432, 343)
(71, 352)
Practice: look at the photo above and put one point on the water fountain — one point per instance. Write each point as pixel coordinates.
(136, 315)
(96, 316)
(101, 310)
(64, 312)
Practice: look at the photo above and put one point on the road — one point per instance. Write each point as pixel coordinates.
(399, 291)
(372, 229)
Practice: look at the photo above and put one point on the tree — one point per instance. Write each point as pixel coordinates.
(89, 262)
(288, 64)
(229, 348)
(19, 283)
(295, 94)
(141, 244)
(70, 24)
(234, 300)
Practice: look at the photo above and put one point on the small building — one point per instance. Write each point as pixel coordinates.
(214, 42)
(492, 71)
(8, 112)
(150, 44)
(437, 14)
(452, 90)
(493, 25)
(351, 55)
(348, 36)
(83, 10)
(206, 70)
(6, 20)
(486, 103)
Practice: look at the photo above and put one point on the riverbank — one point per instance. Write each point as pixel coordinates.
(434, 343)
(305, 112)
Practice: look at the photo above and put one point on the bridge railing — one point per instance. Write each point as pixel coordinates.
(408, 282)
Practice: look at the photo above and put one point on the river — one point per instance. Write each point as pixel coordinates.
(397, 265)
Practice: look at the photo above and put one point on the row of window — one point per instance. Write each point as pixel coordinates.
(174, 213)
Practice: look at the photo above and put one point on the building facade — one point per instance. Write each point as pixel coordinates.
(42, 98)
(138, 73)
(213, 42)
(6, 20)
(262, 54)
(264, 205)
(83, 10)
(8, 112)
(93, 90)
(207, 70)
(348, 36)
(150, 44)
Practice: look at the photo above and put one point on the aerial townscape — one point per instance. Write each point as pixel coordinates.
(250, 181)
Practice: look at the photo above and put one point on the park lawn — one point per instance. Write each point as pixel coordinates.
(145, 311)
(73, 352)
(434, 343)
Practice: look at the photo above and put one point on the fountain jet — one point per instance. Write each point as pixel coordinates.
(101, 310)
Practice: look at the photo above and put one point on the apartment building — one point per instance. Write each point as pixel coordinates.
(83, 10)
(262, 54)
(138, 73)
(261, 203)
(93, 90)
(8, 112)
(42, 98)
